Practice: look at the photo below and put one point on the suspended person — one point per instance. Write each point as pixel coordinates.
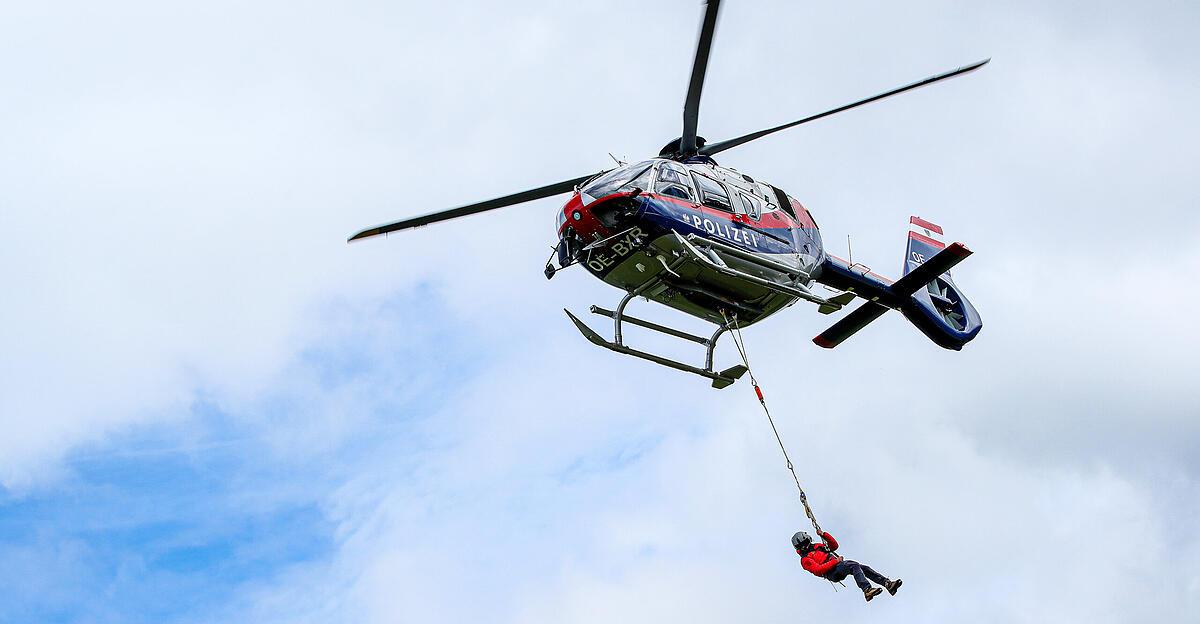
(822, 560)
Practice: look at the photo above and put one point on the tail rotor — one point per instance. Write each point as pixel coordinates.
(939, 309)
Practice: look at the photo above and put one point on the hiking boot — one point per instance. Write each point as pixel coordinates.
(892, 586)
(871, 593)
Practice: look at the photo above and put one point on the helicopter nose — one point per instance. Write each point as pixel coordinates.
(581, 218)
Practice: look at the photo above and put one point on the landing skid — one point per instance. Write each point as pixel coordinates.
(720, 379)
(707, 255)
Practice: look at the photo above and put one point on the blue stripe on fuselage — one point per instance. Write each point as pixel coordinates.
(670, 215)
(837, 273)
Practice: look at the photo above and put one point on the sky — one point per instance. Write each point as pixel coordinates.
(214, 409)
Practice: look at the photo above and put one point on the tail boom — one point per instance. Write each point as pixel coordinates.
(926, 295)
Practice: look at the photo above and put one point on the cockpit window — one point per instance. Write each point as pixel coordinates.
(673, 182)
(643, 180)
(620, 179)
(712, 194)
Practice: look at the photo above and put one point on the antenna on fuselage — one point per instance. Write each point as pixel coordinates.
(849, 251)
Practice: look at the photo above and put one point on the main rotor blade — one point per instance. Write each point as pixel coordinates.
(691, 106)
(470, 209)
(724, 145)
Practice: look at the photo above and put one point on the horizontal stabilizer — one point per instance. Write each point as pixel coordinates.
(945, 260)
(850, 324)
(841, 300)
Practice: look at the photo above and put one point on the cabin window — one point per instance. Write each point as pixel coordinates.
(674, 190)
(751, 205)
(712, 194)
(674, 183)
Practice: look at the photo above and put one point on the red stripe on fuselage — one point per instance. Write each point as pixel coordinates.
(805, 219)
(781, 218)
(926, 240)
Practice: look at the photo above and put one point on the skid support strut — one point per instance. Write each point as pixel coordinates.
(720, 379)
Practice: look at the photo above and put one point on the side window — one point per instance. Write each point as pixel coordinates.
(674, 190)
(751, 205)
(712, 194)
(674, 183)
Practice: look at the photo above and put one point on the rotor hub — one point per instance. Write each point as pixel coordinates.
(674, 149)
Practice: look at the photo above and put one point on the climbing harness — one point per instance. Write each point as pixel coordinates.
(741, 347)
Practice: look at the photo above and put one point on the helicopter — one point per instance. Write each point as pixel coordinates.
(714, 243)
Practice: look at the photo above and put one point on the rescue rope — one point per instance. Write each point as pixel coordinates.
(741, 347)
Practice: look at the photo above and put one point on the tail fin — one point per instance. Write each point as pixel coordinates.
(937, 306)
(926, 294)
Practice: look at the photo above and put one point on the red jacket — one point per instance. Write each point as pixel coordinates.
(821, 559)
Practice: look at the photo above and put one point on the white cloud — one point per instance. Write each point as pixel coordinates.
(177, 181)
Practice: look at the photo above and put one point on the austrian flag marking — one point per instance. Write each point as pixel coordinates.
(926, 232)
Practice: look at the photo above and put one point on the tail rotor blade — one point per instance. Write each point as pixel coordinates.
(691, 106)
(715, 148)
(500, 202)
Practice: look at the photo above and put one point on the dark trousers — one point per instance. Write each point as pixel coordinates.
(859, 571)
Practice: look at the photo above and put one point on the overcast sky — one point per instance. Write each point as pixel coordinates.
(214, 409)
